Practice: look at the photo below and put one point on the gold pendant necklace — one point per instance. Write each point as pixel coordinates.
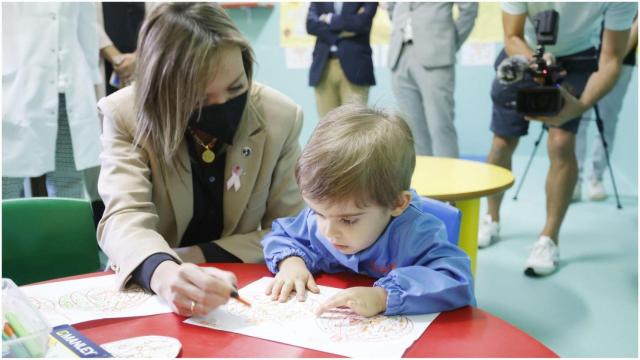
(208, 156)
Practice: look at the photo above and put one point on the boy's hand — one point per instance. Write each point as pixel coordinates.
(365, 301)
(292, 275)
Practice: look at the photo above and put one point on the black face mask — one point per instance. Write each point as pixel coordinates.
(220, 120)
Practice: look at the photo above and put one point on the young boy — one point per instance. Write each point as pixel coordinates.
(354, 175)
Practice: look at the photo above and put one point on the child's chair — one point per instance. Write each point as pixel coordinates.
(448, 214)
(47, 238)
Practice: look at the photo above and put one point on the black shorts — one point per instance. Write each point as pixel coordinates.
(505, 121)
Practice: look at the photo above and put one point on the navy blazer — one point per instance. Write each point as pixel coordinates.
(354, 52)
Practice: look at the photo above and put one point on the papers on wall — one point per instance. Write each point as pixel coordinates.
(75, 301)
(298, 57)
(477, 54)
(339, 331)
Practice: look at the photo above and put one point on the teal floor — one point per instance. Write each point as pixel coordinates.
(589, 308)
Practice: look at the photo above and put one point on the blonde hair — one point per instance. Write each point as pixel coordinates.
(178, 50)
(357, 153)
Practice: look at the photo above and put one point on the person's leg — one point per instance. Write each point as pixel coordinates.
(351, 93)
(581, 153)
(561, 179)
(581, 144)
(39, 186)
(559, 186)
(502, 149)
(66, 180)
(609, 108)
(436, 87)
(501, 152)
(407, 95)
(90, 177)
(507, 127)
(11, 187)
(327, 92)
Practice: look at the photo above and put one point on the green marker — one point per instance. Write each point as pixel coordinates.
(21, 331)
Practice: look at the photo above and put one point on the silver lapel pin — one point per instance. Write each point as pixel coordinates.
(246, 151)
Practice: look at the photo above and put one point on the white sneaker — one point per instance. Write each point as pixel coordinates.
(595, 190)
(488, 231)
(543, 259)
(577, 192)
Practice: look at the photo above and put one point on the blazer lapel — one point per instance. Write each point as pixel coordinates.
(330, 7)
(180, 188)
(350, 7)
(250, 134)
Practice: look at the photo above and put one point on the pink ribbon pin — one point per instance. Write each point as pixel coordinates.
(234, 179)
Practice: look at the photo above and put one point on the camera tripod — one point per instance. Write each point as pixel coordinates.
(600, 126)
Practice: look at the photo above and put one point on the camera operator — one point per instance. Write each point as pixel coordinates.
(609, 107)
(577, 39)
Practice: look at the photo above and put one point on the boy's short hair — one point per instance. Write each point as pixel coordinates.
(357, 153)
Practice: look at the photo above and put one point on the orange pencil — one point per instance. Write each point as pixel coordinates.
(7, 329)
(235, 295)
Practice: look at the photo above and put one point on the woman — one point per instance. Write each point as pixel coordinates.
(197, 160)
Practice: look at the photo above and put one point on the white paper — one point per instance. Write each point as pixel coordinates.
(75, 301)
(477, 54)
(298, 57)
(339, 331)
(144, 347)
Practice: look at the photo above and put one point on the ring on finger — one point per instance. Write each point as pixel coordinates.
(193, 306)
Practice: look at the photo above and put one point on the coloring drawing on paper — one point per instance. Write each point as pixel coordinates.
(339, 324)
(74, 301)
(264, 309)
(338, 331)
(50, 309)
(42, 304)
(144, 347)
(103, 299)
(345, 325)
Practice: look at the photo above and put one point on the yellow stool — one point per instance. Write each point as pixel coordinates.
(463, 183)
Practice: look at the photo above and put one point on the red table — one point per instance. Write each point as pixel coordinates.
(466, 332)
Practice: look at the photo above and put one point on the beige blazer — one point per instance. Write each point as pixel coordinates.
(149, 206)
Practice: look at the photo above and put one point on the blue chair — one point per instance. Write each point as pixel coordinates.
(448, 214)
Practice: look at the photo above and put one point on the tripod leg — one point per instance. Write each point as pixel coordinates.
(526, 170)
(600, 126)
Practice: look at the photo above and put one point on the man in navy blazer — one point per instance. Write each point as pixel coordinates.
(342, 69)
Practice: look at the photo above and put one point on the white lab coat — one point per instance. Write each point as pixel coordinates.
(48, 48)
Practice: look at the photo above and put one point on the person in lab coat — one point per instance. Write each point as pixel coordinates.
(49, 119)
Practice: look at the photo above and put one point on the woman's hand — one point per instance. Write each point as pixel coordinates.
(191, 290)
(125, 67)
(365, 301)
(292, 275)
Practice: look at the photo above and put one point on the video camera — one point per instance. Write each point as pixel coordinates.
(545, 98)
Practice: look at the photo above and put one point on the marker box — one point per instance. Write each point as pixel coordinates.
(25, 331)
